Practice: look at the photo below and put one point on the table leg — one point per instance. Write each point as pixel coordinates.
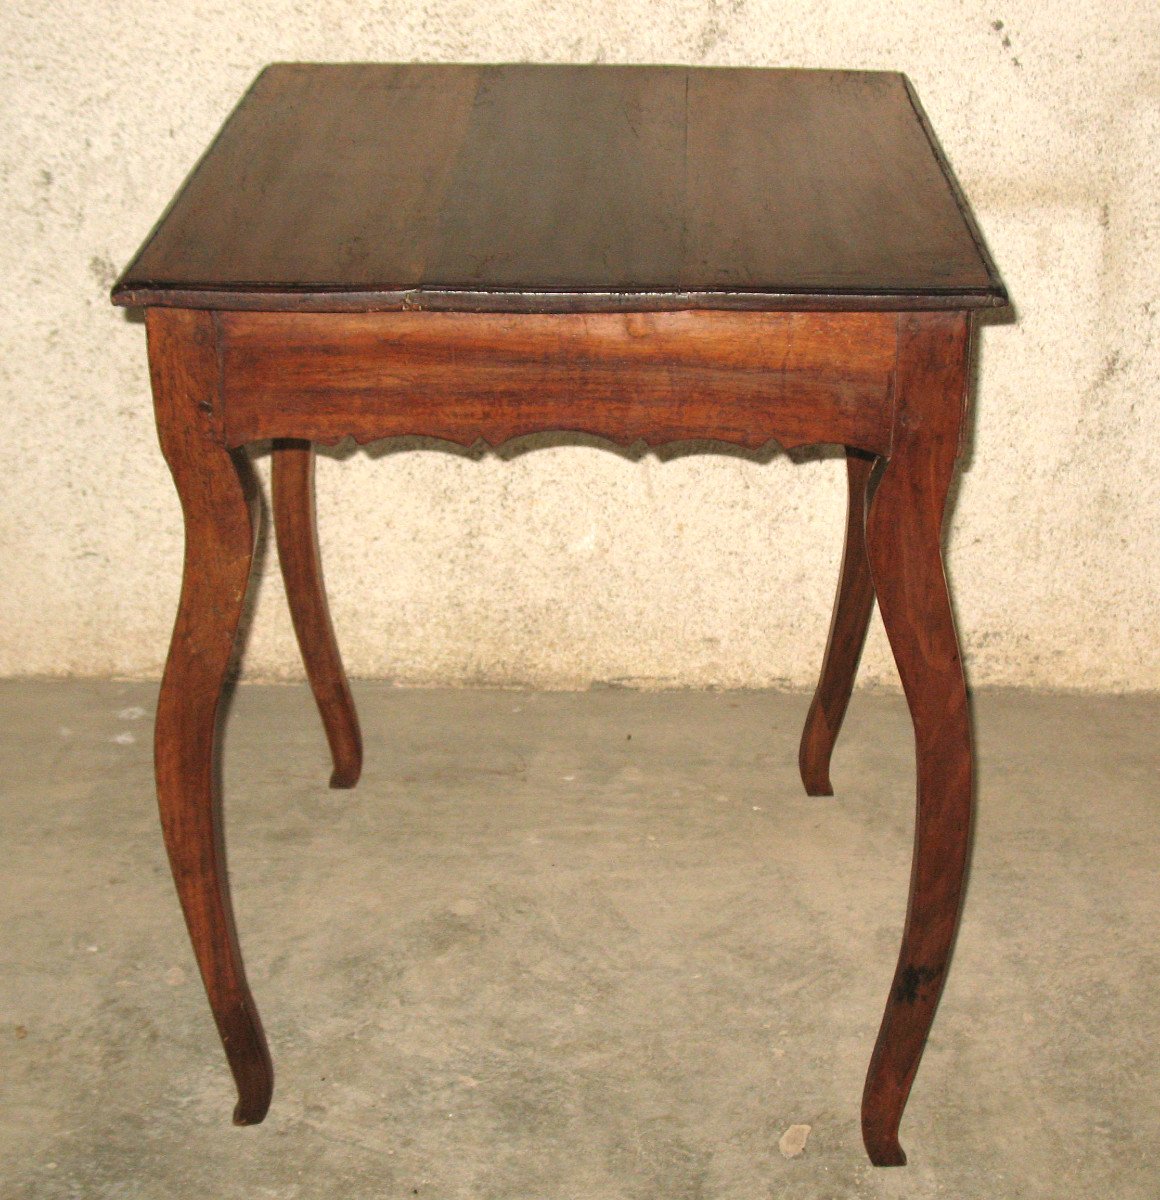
(296, 531)
(851, 619)
(219, 541)
(904, 535)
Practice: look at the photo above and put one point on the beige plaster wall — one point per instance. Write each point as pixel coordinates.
(573, 564)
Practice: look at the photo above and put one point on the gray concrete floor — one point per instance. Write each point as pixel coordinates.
(576, 945)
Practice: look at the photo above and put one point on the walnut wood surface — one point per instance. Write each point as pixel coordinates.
(568, 188)
(891, 388)
(904, 544)
(652, 253)
(296, 532)
(219, 542)
(796, 378)
(852, 607)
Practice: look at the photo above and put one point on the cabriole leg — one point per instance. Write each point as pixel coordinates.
(296, 531)
(904, 541)
(852, 607)
(219, 542)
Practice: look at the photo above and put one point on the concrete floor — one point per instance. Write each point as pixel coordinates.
(576, 945)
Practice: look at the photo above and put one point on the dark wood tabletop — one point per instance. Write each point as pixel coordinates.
(568, 188)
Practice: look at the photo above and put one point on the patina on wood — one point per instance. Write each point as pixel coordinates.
(568, 188)
(296, 532)
(339, 198)
(851, 620)
(219, 549)
(794, 378)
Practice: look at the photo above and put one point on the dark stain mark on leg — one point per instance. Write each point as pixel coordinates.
(913, 978)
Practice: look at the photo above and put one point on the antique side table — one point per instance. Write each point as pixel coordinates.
(481, 252)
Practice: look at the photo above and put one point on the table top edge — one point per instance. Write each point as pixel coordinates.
(130, 294)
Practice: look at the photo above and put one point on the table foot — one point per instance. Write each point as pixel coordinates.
(851, 619)
(884, 1149)
(296, 531)
(219, 541)
(252, 1107)
(903, 535)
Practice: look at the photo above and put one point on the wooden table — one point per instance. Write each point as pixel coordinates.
(656, 253)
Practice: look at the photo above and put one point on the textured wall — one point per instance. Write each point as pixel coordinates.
(572, 563)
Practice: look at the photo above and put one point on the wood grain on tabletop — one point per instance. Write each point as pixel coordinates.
(559, 188)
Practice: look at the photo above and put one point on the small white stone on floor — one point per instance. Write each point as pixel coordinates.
(174, 976)
(131, 714)
(123, 739)
(793, 1141)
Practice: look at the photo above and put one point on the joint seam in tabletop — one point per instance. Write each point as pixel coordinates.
(186, 274)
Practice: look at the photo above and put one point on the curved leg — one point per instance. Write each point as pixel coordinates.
(904, 534)
(296, 531)
(219, 540)
(851, 619)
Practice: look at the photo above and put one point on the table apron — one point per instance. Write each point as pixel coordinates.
(746, 378)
